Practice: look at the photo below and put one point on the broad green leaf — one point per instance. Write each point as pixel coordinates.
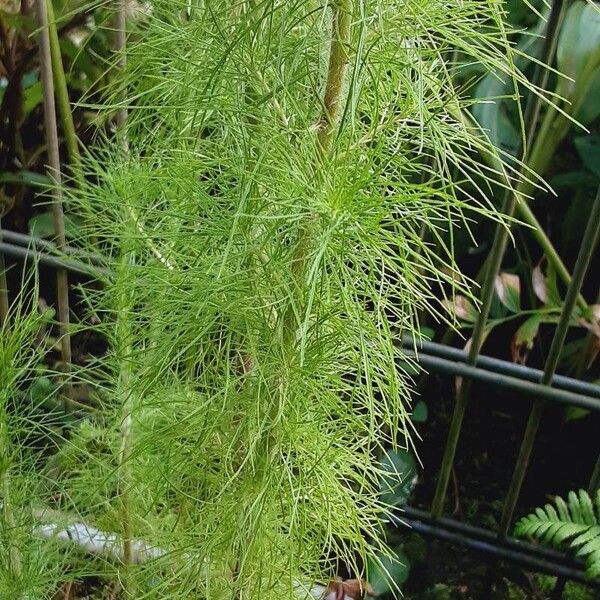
(33, 96)
(399, 478)
(574, 179)
(420, 412)
(427, 332)
(589, 109)
(25, 177)
(493, 115)
(387, 573)
(41, 388)
(545, 287)
(588, 147)
(578, 42)
(575, 413)
(508, 289)
(42, 225)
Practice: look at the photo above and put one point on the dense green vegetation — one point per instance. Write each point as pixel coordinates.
(257, 201)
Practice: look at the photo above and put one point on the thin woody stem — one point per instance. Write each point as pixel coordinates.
(62, 96)
(62, 282)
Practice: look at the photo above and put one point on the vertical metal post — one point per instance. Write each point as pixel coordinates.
(584, 257)
(494, 262)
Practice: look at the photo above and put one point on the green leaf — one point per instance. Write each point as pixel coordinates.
(545, 286)
(508, 289)
(26, 178)
(462, 308)
(589, 109)
(42, 225)
(387, 573)
(575, 413)
(399, 478)
(41, 388)
(493, 115)
(524, 338)
(573, 179)
(32, 97)
(588, 148)
(578, 42)
(420, 412)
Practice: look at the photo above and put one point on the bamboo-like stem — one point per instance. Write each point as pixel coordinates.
(588, 245)
(511, 201)
(62, 96)
(51, 130)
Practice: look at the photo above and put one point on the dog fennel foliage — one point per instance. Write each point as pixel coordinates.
(265, 226)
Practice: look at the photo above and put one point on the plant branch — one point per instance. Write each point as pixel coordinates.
(336, 72)
(62, 95)
(51, 130)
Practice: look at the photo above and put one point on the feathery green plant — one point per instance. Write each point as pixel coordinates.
(26, 570)
(574, 523)
(265, 230)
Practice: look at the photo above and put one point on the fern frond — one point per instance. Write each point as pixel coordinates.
(574, 523)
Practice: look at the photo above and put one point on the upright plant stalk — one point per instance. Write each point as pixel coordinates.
(123, 338)
(62, 95)
(336, 72)
(120, 47)
(487, 293)
(332, 101)
(588, 244)
(62, 282)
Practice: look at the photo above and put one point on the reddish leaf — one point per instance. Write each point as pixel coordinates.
(462, 308)
(538, 280)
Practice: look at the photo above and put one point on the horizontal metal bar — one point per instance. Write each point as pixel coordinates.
(55, 262)
(450, 367)
(521, 553)
(520, 545)
(505, 367)
(29, 241)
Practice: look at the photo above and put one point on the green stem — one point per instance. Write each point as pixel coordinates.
(62, 96)
(124, 338)
(332, 102)
(51, 131)
(336, 72)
